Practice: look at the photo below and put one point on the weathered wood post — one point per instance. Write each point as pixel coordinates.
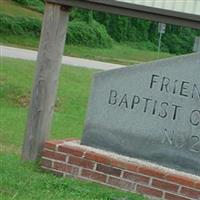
(50, 53)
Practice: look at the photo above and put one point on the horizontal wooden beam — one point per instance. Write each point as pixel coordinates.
(133, 10)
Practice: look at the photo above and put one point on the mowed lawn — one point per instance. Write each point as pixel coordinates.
(24, 180)
(120, 53)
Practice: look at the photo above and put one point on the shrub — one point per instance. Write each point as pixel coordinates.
(19, 25)
(145, 45)
(179, 40)
(79, 33)
(37, 5)
(92, 34)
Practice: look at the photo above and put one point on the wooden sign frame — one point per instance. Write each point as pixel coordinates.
(135, 10)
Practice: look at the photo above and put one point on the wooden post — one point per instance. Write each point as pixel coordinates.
(50, 53)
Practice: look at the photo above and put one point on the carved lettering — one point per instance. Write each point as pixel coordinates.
(196, 91)
(135, 101)
(168, 139)
(195, 143)
(176, 109)
(153, 80)
(124, 101)
(176, 87)
(184, 89)
(113, 97)
(165, 84)
(147, 100)
(181, 140)
(154, 107)
(163, 112)
(146, 105)
(195, 117)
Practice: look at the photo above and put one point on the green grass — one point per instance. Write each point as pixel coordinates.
(23, 180)
(11, 8)
(119, 53)
(26, 182)
(19, 41)
(26, 42)
(16, 80)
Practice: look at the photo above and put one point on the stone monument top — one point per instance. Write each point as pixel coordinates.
(149, 111)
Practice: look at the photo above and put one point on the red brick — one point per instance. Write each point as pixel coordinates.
(136, 177)
(119, 164)
(120, 183)
(124, 165)
(108, 170)
(52, 144)
(93, 175)
(46, 163)
(54, 155)
(81, 162)
(66, 168)
(165, 186)
(151, 172)
(197, 185)
(190, 193)
(71, 150)
(60, 166)
(71, 140)
(180, 179)
(169, 196)
(98, 157)
(74, 171)
(132, 167)
(149, 191)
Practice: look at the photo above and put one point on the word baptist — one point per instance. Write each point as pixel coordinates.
(162, 109)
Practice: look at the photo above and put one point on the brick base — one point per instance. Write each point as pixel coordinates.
(69, 158)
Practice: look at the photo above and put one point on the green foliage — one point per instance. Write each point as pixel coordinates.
(142, 33)
(179, 39)
(98, 29)
(79, 32)
(92, 34)
(81, 15)
(123, 28)
(32, 4)
(19, 25)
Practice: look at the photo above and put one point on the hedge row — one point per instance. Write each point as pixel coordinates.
(79, 32)
(93, 34)
(19, 25)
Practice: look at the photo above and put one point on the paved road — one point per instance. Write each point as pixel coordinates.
(77, 62)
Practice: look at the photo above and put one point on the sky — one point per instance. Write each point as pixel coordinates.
(186, 6)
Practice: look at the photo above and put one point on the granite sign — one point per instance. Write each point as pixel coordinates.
(150, 112)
